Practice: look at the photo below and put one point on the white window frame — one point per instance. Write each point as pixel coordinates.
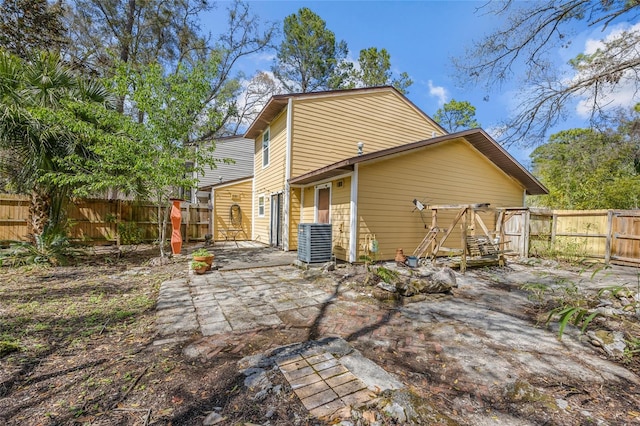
(315, 210)
(261, 199)
(266, 147)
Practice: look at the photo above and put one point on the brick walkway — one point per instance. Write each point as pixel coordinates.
(323, 384)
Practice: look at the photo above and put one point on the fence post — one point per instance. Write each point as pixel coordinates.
(608, 247)
(186, 231)
(118, 219)
(526, 230)
(554, 225)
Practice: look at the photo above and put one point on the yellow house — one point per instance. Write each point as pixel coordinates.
(371, 195)
(357, 159)
(231, 204)
(297, 133)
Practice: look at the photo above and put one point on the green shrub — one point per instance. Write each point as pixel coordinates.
(130, 233)
(201, 252)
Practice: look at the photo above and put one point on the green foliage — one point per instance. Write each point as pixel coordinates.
(8, 346)
(135, 32)
(30, 25)
(456, 116)
(201, 252)
(387, 275)
(566, 249)
(633, 347)
(41, 128)
(309, 55)
(588, 169)
(579, 316)
(536, 291)
(374, 70)
(130, 233)
(196, 264)
(51, 248)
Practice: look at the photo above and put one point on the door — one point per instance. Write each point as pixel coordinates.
(276, 221)
(323, 202)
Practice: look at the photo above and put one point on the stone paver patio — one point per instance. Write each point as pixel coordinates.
(236, 300)
(468, 348)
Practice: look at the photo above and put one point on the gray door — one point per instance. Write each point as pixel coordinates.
(276, 221)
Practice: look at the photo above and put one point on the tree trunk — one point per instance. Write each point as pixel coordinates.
(39, 210)
(125, 44)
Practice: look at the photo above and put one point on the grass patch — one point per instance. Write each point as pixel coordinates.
(7, 347)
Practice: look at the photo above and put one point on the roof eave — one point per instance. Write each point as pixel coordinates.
(478, 138)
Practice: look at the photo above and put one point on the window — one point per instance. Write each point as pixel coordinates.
(261, 206)
(265, 148)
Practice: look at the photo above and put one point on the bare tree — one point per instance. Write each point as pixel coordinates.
(532, 32)
(257, 92)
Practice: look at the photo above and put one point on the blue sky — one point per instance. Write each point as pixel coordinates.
(421, 37)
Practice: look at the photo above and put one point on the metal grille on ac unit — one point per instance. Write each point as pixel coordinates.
(314, 242)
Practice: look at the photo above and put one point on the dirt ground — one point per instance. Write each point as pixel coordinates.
(77, 347)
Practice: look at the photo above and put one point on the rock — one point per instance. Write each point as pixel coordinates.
(213, 419)
(396, 411)
(604, 302)
(256, 378)
(612, 342)
(329, 266)
(522, 391)
(444, 277)
(388, 287)
(260, 395)
(193, 351)
(270, 412)
(405, 287)
(562, 404)
(608, 311)
(159, 261)
(438, 286)
(312, 273)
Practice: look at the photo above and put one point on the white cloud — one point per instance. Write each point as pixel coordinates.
(622, 93)
(438, 92)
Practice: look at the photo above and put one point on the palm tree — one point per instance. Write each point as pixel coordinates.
(37, 131)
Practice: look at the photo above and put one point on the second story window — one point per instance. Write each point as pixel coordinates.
(265, 148)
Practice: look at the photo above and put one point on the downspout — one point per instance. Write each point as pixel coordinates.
(353, 219)
(212, 221)
(302, 203)
(287, 176)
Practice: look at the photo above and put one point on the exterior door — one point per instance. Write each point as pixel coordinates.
(276, 221)
(323, 202)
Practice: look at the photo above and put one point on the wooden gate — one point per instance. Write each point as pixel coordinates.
(625, 238)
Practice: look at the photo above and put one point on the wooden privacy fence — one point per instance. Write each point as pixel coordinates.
(612, 236)
(98, 221)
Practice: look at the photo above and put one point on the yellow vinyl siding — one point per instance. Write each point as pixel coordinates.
(308, 208)
(294, 217)
(269, 180)
(340, 214)
(450, 173)
(224, 198)
(327, 129)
